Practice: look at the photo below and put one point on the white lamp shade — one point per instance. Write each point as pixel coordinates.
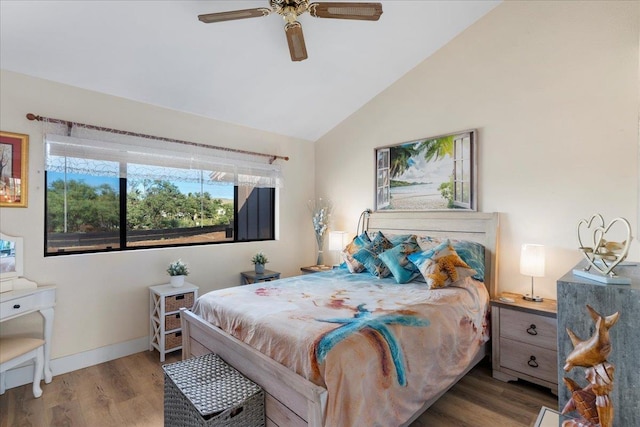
(532, 260)
(338, 240)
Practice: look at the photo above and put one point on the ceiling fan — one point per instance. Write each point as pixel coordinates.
(291, 9)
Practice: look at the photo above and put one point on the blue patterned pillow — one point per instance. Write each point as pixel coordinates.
(356, 244)
(368, 255)
(397, 262)
(441, 266)
(396, 239)
(472, 253)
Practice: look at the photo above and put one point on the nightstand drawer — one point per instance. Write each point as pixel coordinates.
(528, 359)
(529, 328)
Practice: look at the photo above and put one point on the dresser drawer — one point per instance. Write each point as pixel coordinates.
(172, 321)
(17, 306)
(176, 302)
(172, 340)
(530, 360)
(529, 328)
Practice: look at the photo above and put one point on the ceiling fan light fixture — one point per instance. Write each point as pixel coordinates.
(282, 7)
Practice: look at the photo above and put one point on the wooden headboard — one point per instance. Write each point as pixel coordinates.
(481, 227)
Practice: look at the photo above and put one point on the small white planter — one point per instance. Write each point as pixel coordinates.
(259, 268)
(177, 281)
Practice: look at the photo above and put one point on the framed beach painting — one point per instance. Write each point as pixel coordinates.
(435, 173)
(14, 149)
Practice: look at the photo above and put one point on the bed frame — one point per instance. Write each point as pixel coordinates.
(291, 400)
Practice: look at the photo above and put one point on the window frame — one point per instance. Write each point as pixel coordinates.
(459, 170)
(123, 224)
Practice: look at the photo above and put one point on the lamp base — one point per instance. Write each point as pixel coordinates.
(532, 298)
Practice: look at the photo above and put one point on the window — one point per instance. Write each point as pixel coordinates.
(96, 201)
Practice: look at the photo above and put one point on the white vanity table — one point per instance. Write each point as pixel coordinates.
(20, 296)
(18, 302)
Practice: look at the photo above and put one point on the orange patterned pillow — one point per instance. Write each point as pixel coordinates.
(441, 266)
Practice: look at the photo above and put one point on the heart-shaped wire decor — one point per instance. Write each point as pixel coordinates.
(603, 255)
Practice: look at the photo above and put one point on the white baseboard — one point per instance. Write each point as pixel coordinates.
(24, 374)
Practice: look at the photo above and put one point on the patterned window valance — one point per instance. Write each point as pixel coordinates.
(85, 149)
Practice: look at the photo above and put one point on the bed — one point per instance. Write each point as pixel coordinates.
(296, 395)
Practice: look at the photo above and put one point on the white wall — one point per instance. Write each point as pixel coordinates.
(102, 299)
(552, 88)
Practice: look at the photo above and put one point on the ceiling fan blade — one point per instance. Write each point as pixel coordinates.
(210, 18)
(295, 38)
(340, 10)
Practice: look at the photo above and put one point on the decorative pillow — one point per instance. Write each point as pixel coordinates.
(396, 239)
(427, 242)
(441, 266)
(472, 253)
(368, 255)
(356, 244)
(397, 262)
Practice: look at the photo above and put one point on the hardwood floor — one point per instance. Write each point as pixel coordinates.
(129, 392)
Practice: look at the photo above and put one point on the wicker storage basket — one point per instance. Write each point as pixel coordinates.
(172, 321)
(205, 391)
(172, 340)
(176, 302)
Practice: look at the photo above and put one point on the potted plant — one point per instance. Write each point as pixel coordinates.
(259, 260)
(177, 270)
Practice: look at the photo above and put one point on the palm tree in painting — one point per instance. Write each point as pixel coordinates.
(436, 149)
(433, 149)
(401, 159)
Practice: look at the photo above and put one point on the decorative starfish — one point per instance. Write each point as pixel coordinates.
(364, 320)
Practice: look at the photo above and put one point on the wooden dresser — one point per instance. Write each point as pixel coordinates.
(524, 341)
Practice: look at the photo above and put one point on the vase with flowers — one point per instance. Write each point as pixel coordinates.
(177, 270)
(259, 260)
(320, 213)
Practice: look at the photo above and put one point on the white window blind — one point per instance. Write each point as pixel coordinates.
(78, 149)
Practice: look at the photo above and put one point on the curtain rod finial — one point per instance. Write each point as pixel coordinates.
(32, 117)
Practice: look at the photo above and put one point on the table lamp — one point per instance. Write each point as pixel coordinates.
(337, 241)
(532, 264)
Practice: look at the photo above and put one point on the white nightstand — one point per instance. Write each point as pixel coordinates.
(524, 341)
(165, 328)
(249, 277)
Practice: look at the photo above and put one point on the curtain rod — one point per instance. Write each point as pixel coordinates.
(273, 157)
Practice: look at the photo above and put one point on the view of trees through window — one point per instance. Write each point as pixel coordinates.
(86, 213)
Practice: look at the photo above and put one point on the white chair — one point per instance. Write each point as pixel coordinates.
(17, 350)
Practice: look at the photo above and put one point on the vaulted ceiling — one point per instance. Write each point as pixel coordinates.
(240, 71)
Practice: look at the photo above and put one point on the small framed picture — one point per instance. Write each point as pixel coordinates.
(14, 151)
